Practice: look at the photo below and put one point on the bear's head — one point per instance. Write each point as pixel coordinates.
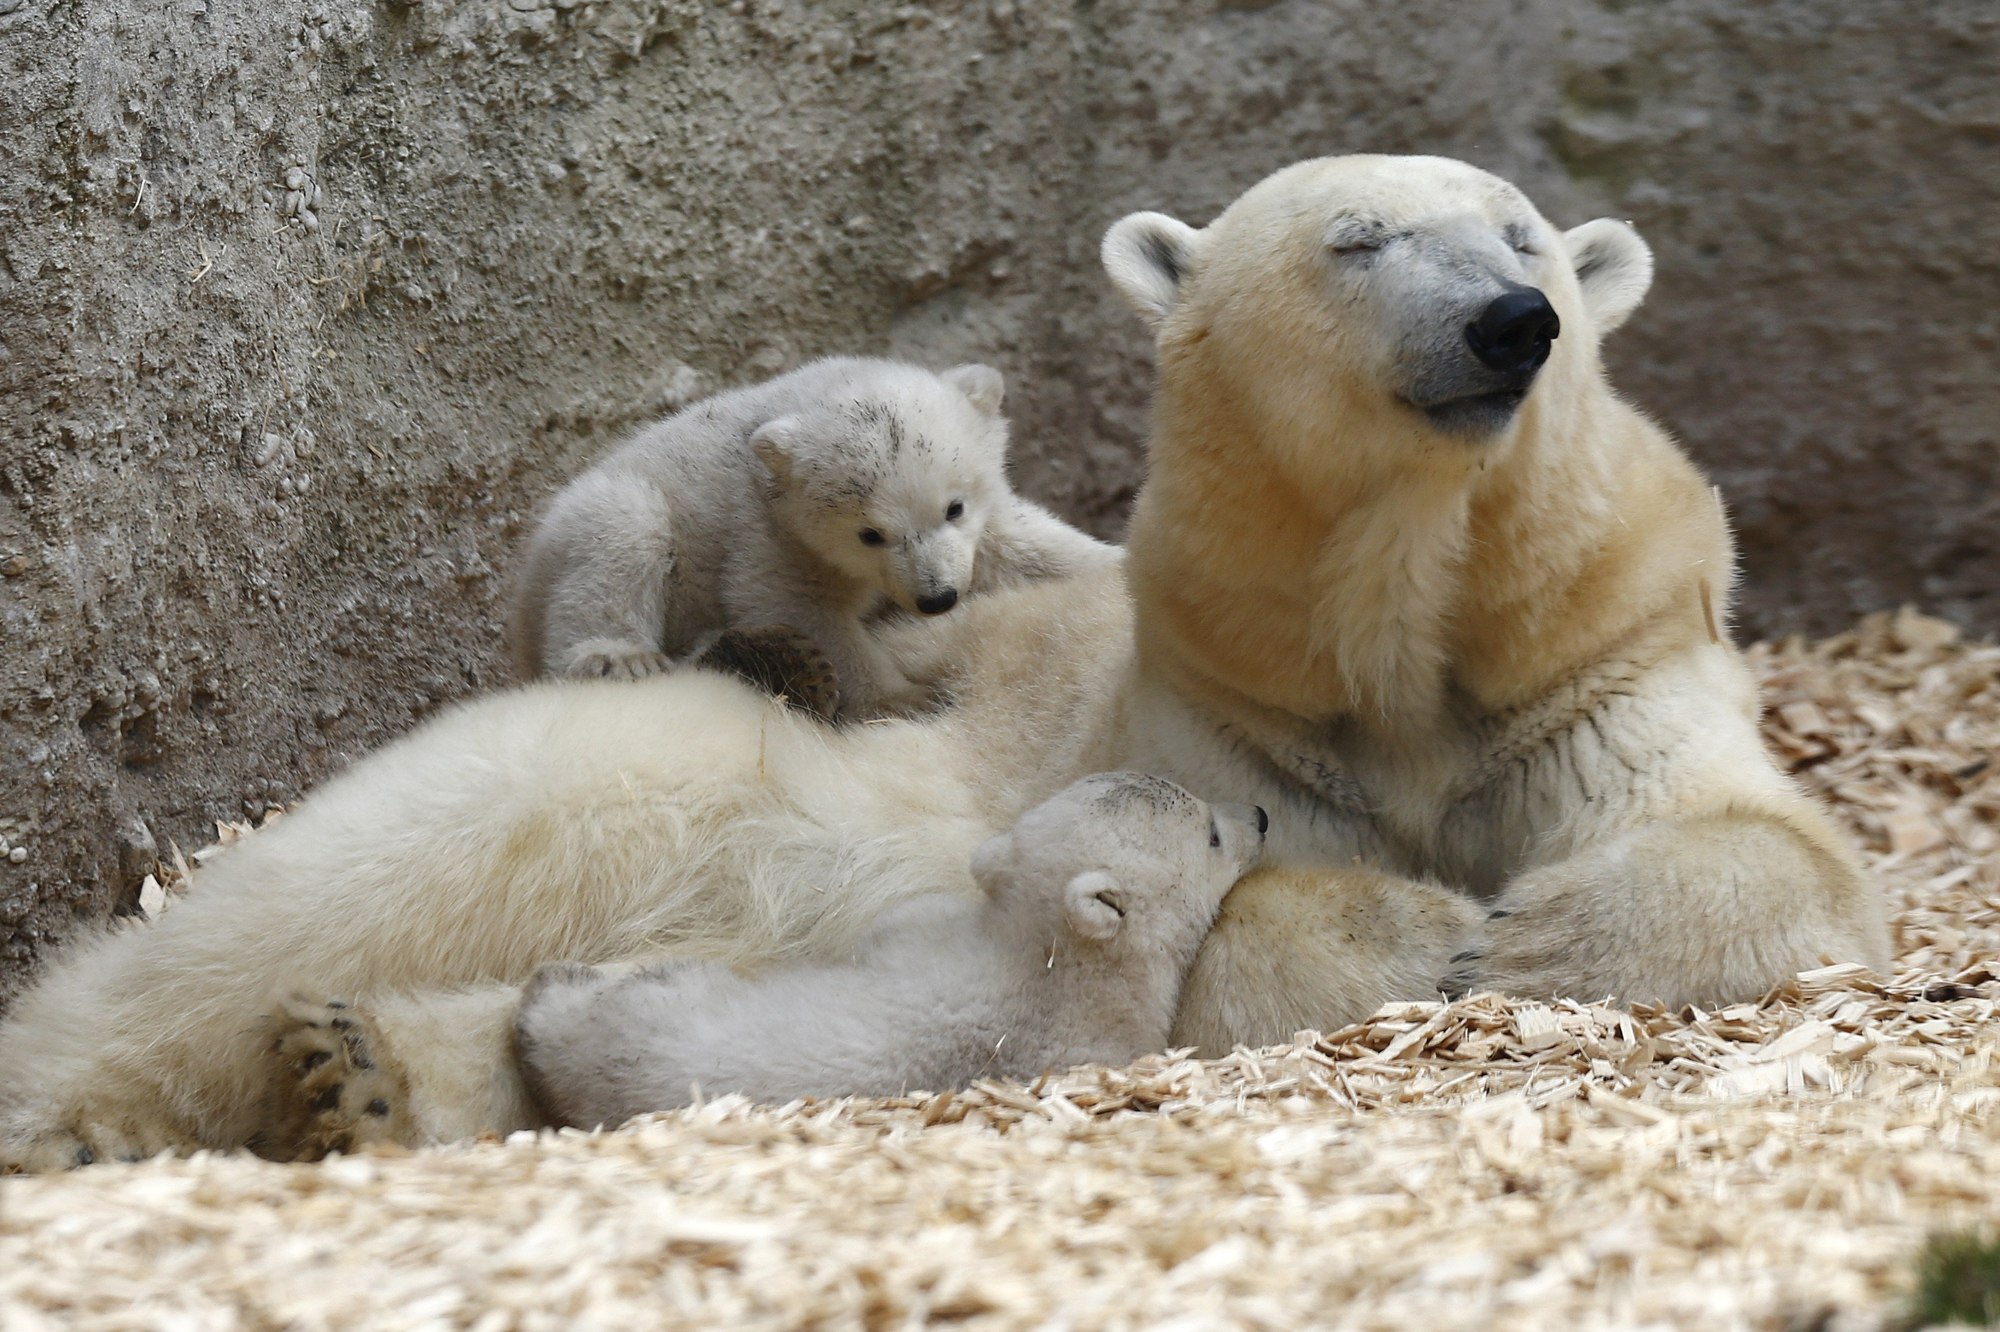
(1412, 305)
(891, 479)
(1123, 861)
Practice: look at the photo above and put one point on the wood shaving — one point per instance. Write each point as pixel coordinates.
(1479, 1164)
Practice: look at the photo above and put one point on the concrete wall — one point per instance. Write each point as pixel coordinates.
(304, 306)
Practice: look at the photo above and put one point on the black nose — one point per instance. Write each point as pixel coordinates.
(1263, 820)
(938, 602)
(1513, 334)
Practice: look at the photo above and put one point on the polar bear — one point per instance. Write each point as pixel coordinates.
(1409, 572)
(380, 935)
(1091, 909)
(1405, 571)
(799, 508)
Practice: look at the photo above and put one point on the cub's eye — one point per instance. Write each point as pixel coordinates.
(1522, 241)
(871, 537)
(954, 511)
(1214, 835)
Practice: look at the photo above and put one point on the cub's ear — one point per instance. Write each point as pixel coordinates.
(773, 443)
(992, 858)
(980, 383)
(1094, 904)
(1613, 266)
(1147, 255)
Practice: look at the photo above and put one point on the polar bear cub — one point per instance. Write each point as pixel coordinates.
(1093, 906)
(799, 508)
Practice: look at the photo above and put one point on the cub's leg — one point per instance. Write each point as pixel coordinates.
(1296, 948)
(1709, 909)
(597, 593)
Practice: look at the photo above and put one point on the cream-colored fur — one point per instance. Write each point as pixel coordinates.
(1469, 656)
(1488, 654)
(682, 815)
(1090, 911)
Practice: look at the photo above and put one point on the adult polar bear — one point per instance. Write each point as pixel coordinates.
(1449, 612)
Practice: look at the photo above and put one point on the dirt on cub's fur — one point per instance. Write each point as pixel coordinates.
(1482, 1164)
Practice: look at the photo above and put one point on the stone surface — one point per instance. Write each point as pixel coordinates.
(305, 305)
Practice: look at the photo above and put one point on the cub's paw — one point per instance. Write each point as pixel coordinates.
(780, 661)
(618, 662)
(344, 1092)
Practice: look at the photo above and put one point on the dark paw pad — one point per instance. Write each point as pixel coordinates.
(780, 661)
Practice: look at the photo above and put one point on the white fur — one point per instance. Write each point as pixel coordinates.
(812, 502)
(1093, 906)
(1147, 255)
(1614, 269)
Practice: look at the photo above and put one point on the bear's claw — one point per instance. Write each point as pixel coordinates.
(635, 664)
(86, 1141)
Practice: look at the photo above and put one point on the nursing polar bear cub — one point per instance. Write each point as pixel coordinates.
(1090, 912)
(1405, 572)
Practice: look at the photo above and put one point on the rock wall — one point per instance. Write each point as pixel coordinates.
(304, 305)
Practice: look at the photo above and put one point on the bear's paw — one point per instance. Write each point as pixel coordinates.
(345, 1093)
(633, 663)
(782, 662)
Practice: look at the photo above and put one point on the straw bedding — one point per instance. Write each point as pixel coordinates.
(1483, 1164)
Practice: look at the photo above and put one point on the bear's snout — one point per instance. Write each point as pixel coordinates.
(1513, 334)
(937, 603)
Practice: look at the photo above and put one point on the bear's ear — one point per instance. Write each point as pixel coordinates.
(773, 443)
(1613, 266)
(1094, 904)
(993, 857)
(982, 384)
(1147, 255)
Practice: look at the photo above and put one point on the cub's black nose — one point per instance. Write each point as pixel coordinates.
(1263, 820)
(1513, 334)
(938, 602)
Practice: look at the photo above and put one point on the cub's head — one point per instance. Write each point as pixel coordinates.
(1418, 297)
(1121, 861)
(892, 479)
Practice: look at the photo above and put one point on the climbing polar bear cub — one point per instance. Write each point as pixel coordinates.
(1091, 909)
(762, 529)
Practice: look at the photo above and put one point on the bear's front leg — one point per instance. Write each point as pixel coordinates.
(1708, 910)
(412, 1069)
(1296, 948)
